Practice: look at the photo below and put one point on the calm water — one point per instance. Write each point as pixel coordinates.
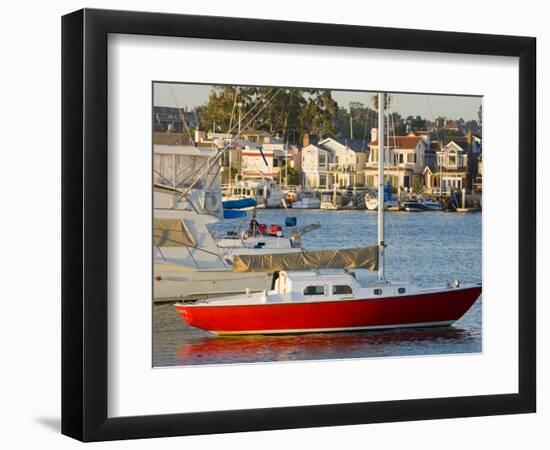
(428, 249)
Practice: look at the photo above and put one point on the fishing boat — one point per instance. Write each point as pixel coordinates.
(189, 260)
(305, 301)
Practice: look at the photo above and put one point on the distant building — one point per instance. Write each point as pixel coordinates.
(330, 163)
(456, 166)
(450, 172)
(403, 160)
(169, 119)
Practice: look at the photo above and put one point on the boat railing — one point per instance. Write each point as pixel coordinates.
(199, 249)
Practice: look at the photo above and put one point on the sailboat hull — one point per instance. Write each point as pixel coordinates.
(440, 308)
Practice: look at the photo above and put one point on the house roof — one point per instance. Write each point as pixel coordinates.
(404, 142)
(358, 145)
(460, 145)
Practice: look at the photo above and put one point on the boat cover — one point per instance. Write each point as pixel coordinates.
(240, 203)
(346, 258)
(172, 233)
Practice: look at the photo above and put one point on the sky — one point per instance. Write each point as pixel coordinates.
(428, 106)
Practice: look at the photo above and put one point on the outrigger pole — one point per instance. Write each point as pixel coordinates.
(381, 105)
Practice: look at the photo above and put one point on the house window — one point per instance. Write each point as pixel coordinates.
(314, 290)
(322, 180)
(452, 159)
(342, 289)
(411, 158)
(322, 159)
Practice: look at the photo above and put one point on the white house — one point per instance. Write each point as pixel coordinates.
(253, 164)
(330, 163)
(315, 161)
(403, 160)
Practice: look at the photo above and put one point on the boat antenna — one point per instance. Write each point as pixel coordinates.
(201, 173)
(381, 244)
(182, 117)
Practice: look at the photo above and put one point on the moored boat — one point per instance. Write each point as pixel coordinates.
(309, 301)
(414, 206)
(306, 199)
(431, 204)
(389, 205)
(264, 191)
(303, 301)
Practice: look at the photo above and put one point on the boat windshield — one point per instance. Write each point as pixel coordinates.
(341, 289)
(314, 290)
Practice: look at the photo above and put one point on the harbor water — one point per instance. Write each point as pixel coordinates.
(427, 249)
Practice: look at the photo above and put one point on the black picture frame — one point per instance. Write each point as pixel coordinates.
(84, 224)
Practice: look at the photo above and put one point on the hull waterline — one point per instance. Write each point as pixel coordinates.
(440, 308)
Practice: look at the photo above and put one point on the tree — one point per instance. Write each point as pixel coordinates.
(362, 119)
(316, 117)
(219, 109)
(293, 176)
(417, 123)
(280, 111)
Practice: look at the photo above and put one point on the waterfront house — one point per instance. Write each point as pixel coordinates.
(404, 160)
(450, 171)
(315, 162)
(330, 163)
(256, 161)
(456, 165)
(253, 164)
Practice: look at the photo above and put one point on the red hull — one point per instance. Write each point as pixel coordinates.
(435, 308)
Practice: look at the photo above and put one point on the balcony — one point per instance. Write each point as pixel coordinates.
(336, 167)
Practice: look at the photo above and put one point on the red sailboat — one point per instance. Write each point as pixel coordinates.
(304, 301)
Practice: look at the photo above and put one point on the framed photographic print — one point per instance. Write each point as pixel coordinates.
(276, 225)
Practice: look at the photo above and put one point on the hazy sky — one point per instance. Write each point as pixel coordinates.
(427, 106)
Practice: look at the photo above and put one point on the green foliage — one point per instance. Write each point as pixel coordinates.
(283, 112)
(416, 123)
(316, 117)
(293, 176)
(290, 113)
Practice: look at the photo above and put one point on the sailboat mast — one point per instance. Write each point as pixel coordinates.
(381, 104)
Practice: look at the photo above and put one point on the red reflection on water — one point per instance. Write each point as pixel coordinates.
(214, 349)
